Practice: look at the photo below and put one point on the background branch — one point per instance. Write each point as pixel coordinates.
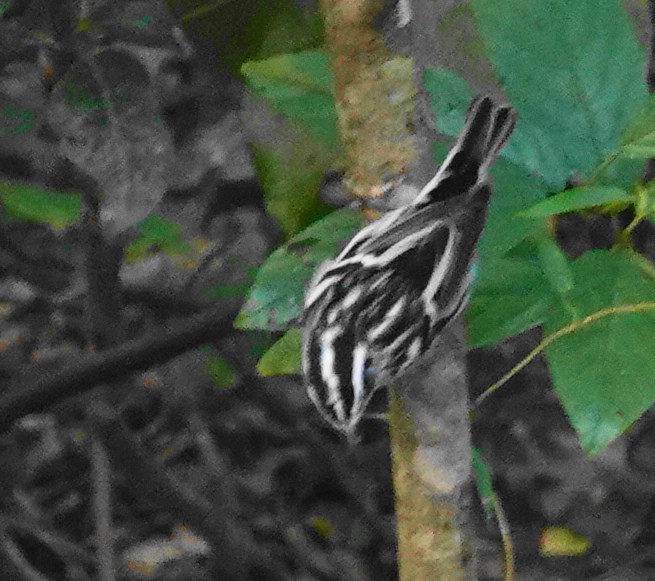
(40, 388)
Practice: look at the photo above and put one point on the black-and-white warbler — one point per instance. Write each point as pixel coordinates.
(400, 280)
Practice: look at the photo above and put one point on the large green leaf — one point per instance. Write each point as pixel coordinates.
(515, 190)
(276, 298)
(574, 71)
(291, 182)
(511, 296)
(301, 86)
(450, 97)
(555, 265)
(31, 204)
(603, 372)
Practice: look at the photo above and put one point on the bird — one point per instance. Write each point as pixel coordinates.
(398, 282)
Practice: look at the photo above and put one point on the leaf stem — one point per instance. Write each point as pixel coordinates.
(609, 160)
(567, 330)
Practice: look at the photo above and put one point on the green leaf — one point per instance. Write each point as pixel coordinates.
(251, 29)
(156, 234)
(27, 203)
(562, 542)
(515, 189)
(323, 527)
(639, 138)
(291, 184)
(603, 372)
(450, 97)
(511, 296)
(221, 372)
(573, 101)
(229, 291)
(79, 98)
(301, 86)
(289, 29)
(578, 199)
(276, 298)
(15, 121)
(644, 149)
(555, 265)
(283, 358)
(484, 483)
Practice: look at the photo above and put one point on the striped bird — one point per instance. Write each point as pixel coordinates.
(399, 281)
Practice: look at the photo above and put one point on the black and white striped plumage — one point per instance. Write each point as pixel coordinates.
(399, 281)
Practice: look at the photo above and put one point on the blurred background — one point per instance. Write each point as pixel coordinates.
(143, 181)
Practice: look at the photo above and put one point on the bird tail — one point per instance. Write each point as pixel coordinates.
(486, 130)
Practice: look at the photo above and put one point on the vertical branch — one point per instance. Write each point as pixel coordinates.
(431, 447)
(102, 263)
(430, 431)
(435, 393)
(374, 97)
(421, 553)
(101, 479)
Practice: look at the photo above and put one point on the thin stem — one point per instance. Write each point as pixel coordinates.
(508, 545)
(568, 330)
(609, 160)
